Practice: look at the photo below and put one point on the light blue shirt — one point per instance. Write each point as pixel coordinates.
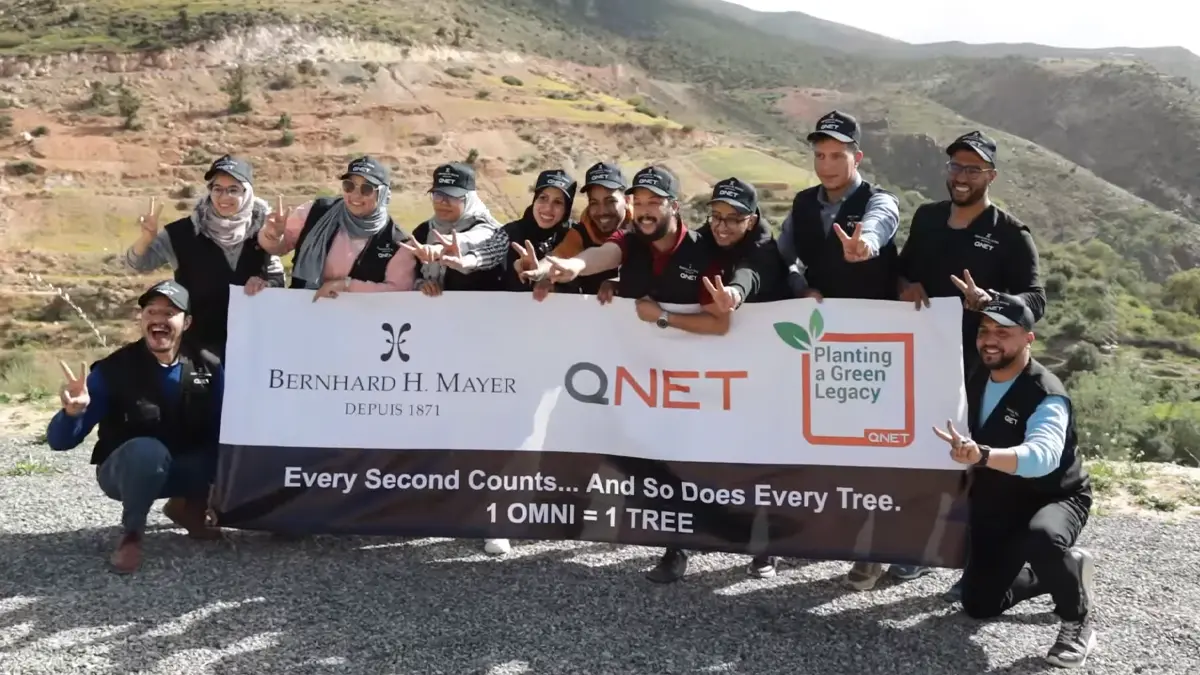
(880, 221)
(1045, 432)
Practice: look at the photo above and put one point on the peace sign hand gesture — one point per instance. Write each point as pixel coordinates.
(962, 450)
(149, 220)
(974, 297)
(74, 392)
(726, 298)
(854, 249)
(277, 220)
(527, 264)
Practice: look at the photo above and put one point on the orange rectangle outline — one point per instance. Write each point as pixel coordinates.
(910, 413)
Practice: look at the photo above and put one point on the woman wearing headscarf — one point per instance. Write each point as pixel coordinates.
(347, 244)
(212, 248)
(545, 224)
(460, 224)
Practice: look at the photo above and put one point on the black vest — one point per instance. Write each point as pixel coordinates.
(823, 256)
(680, 282)
(372, 262)
(590, 284)
(137, 405)
(518, 232)
(1005, 427)
(205, 272)
(455, 280)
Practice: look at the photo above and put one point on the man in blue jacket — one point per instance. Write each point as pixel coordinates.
(157, 405)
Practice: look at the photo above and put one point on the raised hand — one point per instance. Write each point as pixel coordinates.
(564, 270)
(149, 220)
(974, 297)
(74, 391)
(726, 298)
(854, 249)
(962, 450)
(277, 220)
(527, 262)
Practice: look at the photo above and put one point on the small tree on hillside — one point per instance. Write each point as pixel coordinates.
(128, 105)
(236, 86)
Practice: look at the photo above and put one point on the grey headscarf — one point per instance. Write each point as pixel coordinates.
(474, 209)
(229, 233)
(310, 259)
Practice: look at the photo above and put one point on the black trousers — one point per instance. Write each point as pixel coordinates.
(1022, 554)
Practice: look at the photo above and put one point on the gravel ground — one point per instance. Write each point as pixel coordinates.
(257, 604)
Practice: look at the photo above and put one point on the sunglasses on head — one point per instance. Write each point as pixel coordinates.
(364, 189)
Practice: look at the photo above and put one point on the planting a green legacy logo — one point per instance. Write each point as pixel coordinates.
(836, 362)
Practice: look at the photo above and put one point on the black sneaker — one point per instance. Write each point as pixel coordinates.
(1076, 640)
(670, 568)
(763, 566)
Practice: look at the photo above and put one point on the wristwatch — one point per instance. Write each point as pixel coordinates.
(662, 321)
(984, 453)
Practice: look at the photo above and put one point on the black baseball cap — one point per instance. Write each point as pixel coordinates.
(176, 293)
(838, 126)
(1009, 310)
(556, 178)
(976, 142)
(605, 175)
(658, 180)
(371, 169)
(736, 193)
(237, 167)
(455, 179)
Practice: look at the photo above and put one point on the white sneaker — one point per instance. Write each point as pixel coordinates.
(497, 546)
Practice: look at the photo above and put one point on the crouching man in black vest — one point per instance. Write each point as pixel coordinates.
(158, 407)
(1029, 495)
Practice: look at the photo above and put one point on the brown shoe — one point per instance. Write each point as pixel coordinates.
(191, 515)
(128, 556)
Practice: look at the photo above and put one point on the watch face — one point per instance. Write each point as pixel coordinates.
(661, 322)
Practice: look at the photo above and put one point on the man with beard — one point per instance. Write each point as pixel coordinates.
(838, 241)
(970, 248)
(157, 402)
(1031, 496)
(661, 261)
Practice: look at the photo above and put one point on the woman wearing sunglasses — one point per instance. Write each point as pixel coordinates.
(460, 224)
(212, 248)
(348, 244)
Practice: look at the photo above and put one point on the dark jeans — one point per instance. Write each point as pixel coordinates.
(997, 577)
(142, 470)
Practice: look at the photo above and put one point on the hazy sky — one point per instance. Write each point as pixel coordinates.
(1060, 23)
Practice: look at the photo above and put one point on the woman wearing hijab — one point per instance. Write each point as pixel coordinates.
(212, 248)
(545, 224)
(460, 224)
(348, 244)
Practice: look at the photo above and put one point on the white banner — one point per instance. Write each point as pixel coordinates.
(843, 383)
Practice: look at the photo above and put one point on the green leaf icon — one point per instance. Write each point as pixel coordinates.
(816, 324)
(795, 336)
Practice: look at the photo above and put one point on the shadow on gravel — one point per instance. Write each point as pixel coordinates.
(259, 604)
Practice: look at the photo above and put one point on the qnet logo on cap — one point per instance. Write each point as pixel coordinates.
(606, 175)
(736, 193)
(658, 180)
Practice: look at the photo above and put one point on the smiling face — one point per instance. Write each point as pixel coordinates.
(227, 193)
(968, 178)
(357, 203)
(652, 214)
(162, 325)
(607, 208)
(549, 208)
(728, 224)
(999, 346)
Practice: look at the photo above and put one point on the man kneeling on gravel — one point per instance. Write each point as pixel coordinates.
(158, 406)
(1030, 494)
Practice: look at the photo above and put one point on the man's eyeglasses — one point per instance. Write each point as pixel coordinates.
(364, 189)
(726, 222)
(954, 169)
(232, 191)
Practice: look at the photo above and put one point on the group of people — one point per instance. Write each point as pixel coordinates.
(157, 400)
